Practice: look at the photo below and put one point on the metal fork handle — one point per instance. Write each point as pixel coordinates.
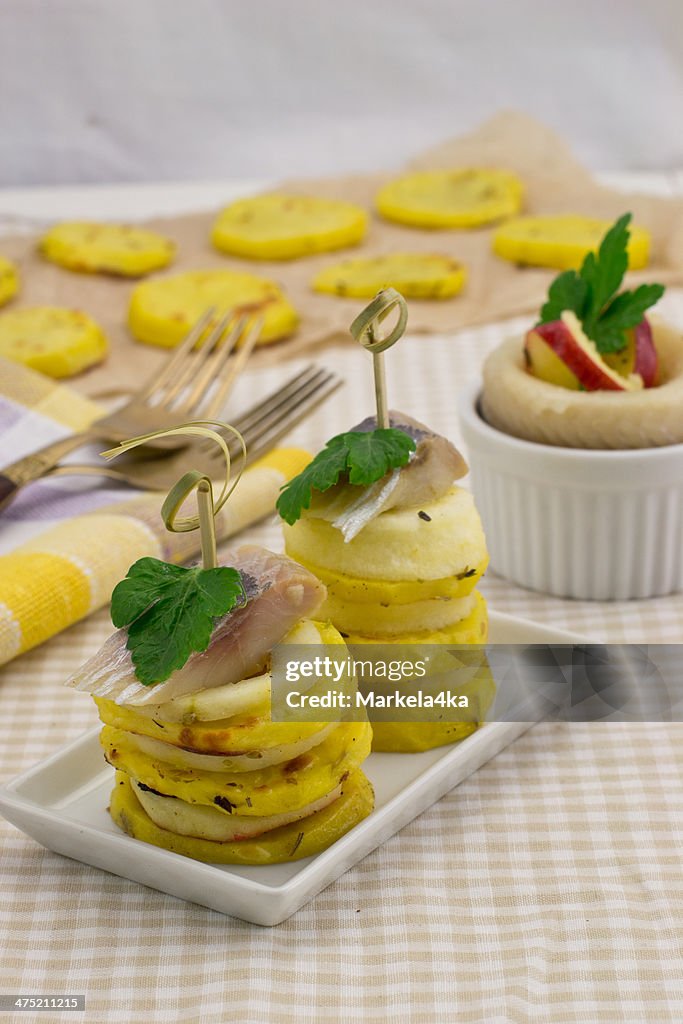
(37, 464)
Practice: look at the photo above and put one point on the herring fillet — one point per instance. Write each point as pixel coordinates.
(280, 592)
(429, 474)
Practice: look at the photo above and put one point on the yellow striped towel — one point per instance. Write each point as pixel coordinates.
(64, 544)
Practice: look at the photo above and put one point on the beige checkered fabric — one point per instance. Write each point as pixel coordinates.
(544, 889)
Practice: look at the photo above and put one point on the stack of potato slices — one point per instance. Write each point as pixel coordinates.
(409, 576)
(210, 776)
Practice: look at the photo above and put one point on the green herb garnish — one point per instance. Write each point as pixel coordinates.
(363, 456)
(591, 292)
(170, 612)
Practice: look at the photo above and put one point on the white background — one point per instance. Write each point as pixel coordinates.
(134, 90)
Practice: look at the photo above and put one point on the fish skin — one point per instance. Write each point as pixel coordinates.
(429, 474)
(240, 643)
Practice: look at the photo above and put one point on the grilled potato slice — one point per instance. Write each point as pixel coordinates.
(92, 248)
(465, 197)
(416, 275)
(9, 280)
(290, 842)
(400, 544)
(163, 310)
(271, 790)
(562, 241)
(57, 342)
(281, 226)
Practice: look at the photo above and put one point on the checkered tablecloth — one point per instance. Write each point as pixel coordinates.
(545, 888)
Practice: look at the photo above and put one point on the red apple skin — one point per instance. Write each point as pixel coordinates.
(589, 368)
(543, 363)
(646, 362)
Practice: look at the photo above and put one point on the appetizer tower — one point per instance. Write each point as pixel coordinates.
(183, 690)
(378, 517)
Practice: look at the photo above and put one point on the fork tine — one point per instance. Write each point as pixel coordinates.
(280, 402)
(213, 366)
(227, 381)
(263, 443)
(269, 429)
(182, 351)
(260, 416)
(193, 364)
(300, 380)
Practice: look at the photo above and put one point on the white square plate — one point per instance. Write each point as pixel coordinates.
(62, 804)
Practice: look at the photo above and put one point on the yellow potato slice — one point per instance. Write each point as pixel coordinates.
(399, 544)
(9, 280)
(390, 621)
(163, 310)
(188, 758)
(291, 842)
(354, 590)
(118, 249)
(413, 737)
(232, 737)
(282, 227)
(205, 823)
(562, 241)
(471, 630)
(461, 198)
(57, 342)
(416, 275)
(271, 790)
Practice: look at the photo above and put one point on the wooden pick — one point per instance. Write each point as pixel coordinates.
(366, 329)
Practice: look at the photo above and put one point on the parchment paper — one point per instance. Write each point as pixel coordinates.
(496, 289)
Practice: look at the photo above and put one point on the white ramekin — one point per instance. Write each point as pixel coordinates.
(595, 525)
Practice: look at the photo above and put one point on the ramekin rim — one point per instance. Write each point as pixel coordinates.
(468, 405)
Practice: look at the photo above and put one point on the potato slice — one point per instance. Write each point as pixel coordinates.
(57, 342)
(231, 737)
(291, 842)
(460, 198)
(416, 275)
(562, 241)
(278, 788)
(356, 590)
(164, 309)
(156, 749)
(281, 226)
(472, 630)
(390, 621)
(205, 823)
(413, 737)
(9, 280)
(92, 248)
(400, 544)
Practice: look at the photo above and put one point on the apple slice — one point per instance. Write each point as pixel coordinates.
(542, 361)
(647, 362)
(638, 356)
(580, 355)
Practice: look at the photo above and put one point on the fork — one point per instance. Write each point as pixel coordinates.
(195, 382)
(262, 426)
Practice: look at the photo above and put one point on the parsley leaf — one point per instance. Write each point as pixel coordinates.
(568, 291)
(170, 611)
(591, 292)
(366, 456)
(624, 312)
(604, 272)
(373, 453)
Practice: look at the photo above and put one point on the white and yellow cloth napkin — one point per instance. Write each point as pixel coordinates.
(65, 543)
